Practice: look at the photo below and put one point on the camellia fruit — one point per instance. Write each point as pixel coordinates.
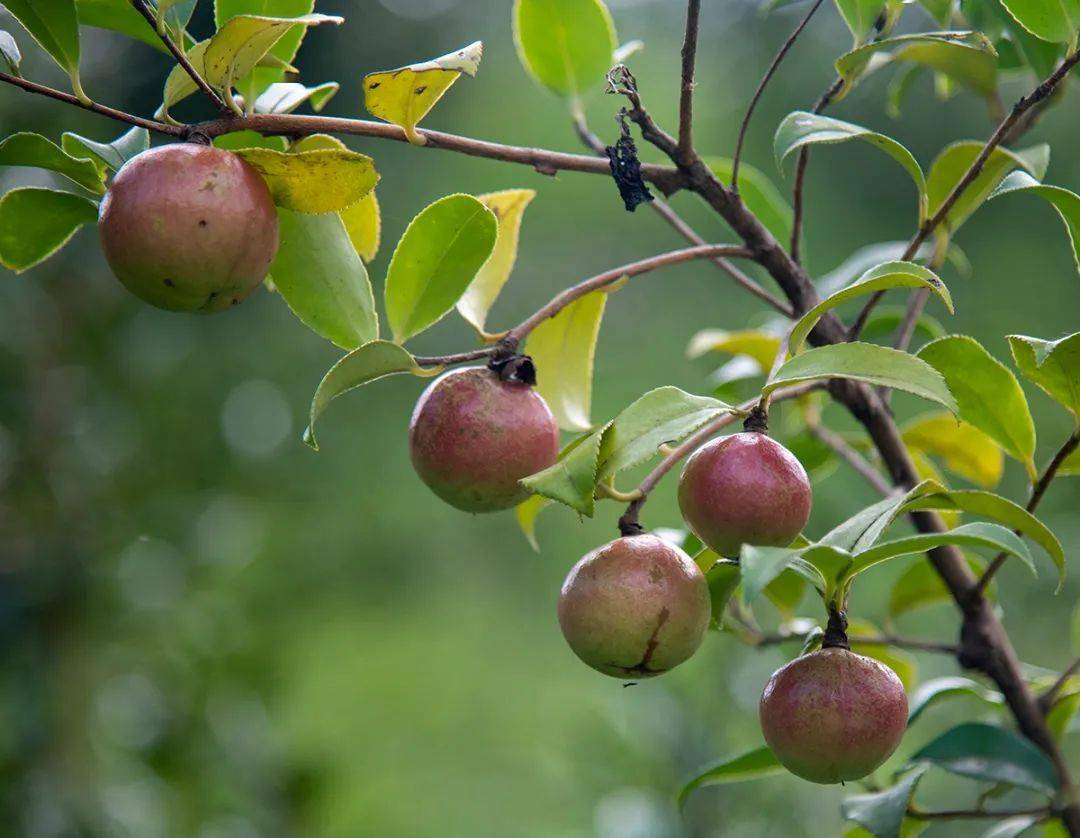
(635, 607)
(744, 489)
(473, 436)
(188, 227)
(833, 715)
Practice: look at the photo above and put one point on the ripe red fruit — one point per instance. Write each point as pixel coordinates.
(833, 715)
(473, 436)
(188, 227)
(635, 607)
(744, 489)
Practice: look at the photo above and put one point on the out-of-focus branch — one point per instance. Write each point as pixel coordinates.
(686, 91)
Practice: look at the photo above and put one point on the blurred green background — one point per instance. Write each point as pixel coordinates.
(209, 630)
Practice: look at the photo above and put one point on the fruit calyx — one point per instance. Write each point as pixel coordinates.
(511, 366)
(757, 421)
(836, 631)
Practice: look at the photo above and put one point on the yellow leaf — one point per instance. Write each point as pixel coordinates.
(754, 343)
(509, 207)
(963, 449)
(316, 181)
(563, 349)
(526, 513)
(404, 96)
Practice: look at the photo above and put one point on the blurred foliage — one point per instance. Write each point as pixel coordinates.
(207, 629)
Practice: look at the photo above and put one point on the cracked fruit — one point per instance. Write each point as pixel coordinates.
(744, 489)
(473, 436)
(635, 607)
(833, 715)
(188, 227)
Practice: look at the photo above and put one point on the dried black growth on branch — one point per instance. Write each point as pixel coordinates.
(626, 168)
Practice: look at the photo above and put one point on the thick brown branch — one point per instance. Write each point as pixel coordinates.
(686, 91)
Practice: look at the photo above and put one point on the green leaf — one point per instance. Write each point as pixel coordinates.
(1065, 201)
(405, 96)
(1051, 20)
(817, 563)
(10, 57)
(987, 393)
(882, 813)
(281, 53)
(862, 529)
(920, 586)
(236, 140)
(35, 223)
(1053, 365)
(286, 97)
(108, 155)
(881, 278)
(938, 689)
(25, 149)
(860, 16)
(316, 181)
(757, 344)
(759, 194)
(526, 514)
(878, 365)
(563, 349)
(1012, 827)
(319, 274)
(801, 128)
(174, 15)
(968, 58)
(54, 24)
(119, 16)
(993, 754)
(663, 415)
(952, 164)
(509, 208)
(749, 766)
(439, 254)
(963, 448)
(722, 576)
(566, 45)
(940, 10)
(373, 360)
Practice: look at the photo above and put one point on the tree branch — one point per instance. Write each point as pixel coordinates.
(1046, 700)
(972, 814)
(853, 458)
(913, 643)
(788, 44)
(686, 97)
(143, 8)
(800, 172)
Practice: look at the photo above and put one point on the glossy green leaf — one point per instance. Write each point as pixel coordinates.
(862, 529)
(1052, 364)
(801, 128)
(566, 45)
(967, 58)
(936, 690)
(108, 155)
(881, 278)
(749, 766)
(509, 208)
(1012, 827)
(1064, 201)
(1051, 20)
(10, 57)
(437, 257)
(882, 813)
(990, 753)
(723, 578)
(319, 274)
(315, 181)
(54, 24)
(634, 436)
(286, 97)
(35, 223)
(953, 163)
(860, 16)
(867, 362)
(563, 349)
(369, 362)
(962, 448)
(759, 194)
(987, 393)
(25, 149)
(405, 96)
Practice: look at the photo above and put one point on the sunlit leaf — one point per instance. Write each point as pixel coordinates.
(1064, 201)
(437, 257)
(286, 97)
(108, 155)
(25, 149)
(54, 24)
(508, 207)
(760, 345)
(1051, 20)
(566, 45)
(1053, 365)
(963, 448)
(749, 766)
(526, 514)
(281, 54)
(406, 95)
(315, 181)
(861, 16)
(35, 223)
(993, 754)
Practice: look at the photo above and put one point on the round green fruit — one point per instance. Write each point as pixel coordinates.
(833, 715)
(473, 436)
(188, 227)
(744, 489)
(635, 607)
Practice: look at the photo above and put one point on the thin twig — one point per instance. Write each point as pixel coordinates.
(1046, 700)
(457, 358)
(801, 163)
(913, 643)
(143, 8)
(1003, 130)
(974, 814)
(104, 110)
(1037, 492)
(788, 44)
(839, 446)
(686, 93)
